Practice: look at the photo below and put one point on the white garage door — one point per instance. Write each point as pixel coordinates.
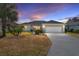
(51, 29)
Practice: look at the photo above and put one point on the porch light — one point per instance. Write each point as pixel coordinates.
(43, 26)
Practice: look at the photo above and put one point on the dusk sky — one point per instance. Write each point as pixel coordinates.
(46, 11)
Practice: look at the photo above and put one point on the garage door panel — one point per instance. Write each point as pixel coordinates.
(53, 29)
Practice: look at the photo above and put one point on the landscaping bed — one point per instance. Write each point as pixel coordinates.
(24, 45)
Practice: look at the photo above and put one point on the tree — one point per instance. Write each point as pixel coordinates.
(15, 30)
(8, 15)
(2, 16)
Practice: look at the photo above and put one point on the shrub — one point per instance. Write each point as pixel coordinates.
(72, 30)
(38, 32)
(15, 30)
(66, 30)
(31, 30)
(76, 31)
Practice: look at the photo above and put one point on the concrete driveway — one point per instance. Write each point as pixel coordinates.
(63, 45)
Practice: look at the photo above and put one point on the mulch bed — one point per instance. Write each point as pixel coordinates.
(25, 45)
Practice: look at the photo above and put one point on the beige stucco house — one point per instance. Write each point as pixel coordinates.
(46, 26)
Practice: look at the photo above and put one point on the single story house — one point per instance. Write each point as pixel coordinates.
(72, 24)
(46, 26)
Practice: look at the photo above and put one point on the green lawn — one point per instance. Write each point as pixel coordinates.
(25, 45)
(73, 34)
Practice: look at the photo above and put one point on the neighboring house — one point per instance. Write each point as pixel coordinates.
(72, 24)
(46, 26)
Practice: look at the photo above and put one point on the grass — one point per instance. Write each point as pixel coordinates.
(25, 45)
(73, 34)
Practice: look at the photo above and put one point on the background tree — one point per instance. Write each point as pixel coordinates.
(8, 15)
(3, 18)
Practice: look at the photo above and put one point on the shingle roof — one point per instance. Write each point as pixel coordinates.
(41, 22)
(37, 22)
(73, 20)
(53, 22)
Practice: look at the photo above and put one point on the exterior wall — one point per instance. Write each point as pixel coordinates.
(27, 28)
(64, 28)
(43, 26)
(31, 27)
(36, 27)
(55, 25)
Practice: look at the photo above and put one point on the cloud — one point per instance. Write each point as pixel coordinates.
(22, 21)
(36, 17)
(19, 14)
(64, 20)
(41, 10)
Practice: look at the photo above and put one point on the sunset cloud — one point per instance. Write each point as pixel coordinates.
(36, 17)
(39, 11)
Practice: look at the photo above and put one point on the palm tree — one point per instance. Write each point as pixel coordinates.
(8, 15)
